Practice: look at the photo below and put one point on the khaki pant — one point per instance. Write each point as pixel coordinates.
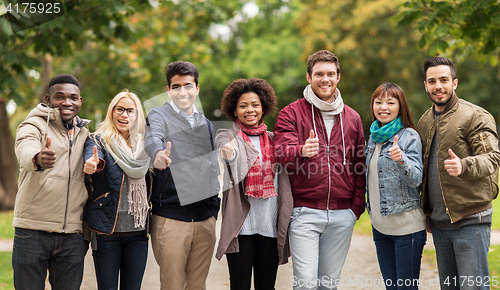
(183, 250)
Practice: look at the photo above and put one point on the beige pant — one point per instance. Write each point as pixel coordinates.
(183, 250)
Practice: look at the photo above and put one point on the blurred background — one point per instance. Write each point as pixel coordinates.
(127, 44)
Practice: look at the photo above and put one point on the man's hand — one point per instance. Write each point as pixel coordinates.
(395, 152)
(46, 158)
(90, 166)
(453, 165)
(228, 149)
(311, 146)
(162, 160)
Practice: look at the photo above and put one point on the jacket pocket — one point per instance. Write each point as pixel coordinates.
(101, 201)
(49, 203)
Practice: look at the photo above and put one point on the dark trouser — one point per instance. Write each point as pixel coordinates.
(120, 256)
(35, 252)
(462, 257)
(399, 258)
(258, 252)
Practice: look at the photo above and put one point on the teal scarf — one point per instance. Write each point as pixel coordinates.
(381, 133)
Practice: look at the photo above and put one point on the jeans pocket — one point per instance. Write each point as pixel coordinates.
(353, 214)
(23, 234)
(296, 212)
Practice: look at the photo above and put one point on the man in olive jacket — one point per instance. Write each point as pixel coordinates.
(461, 160)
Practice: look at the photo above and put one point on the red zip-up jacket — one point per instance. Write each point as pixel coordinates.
(334, 178)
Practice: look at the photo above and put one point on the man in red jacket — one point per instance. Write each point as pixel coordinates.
(320, 142)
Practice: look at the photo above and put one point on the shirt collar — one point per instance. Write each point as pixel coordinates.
(195, 114)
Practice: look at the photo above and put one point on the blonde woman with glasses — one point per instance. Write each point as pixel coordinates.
(119, 212)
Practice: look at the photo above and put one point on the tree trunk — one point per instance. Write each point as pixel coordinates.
(46, 72)
(8, 162)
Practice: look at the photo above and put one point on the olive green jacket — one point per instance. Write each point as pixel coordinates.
(470, 131)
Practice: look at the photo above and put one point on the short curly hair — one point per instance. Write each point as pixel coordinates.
(235, 90)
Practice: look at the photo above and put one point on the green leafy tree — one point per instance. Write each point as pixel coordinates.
(370, 47)
(108, 46)
(459, 29)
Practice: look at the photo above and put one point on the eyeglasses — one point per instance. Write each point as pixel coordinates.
(131, 112)
(187, 87)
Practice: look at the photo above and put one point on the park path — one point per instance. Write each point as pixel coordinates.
(360, 270)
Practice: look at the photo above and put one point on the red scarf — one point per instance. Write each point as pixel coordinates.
(259, 182)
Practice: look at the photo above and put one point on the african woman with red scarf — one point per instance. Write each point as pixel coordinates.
(257, 200)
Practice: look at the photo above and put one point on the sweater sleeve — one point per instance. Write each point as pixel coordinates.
(154, 139)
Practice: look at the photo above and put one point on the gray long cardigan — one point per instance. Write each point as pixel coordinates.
(235, 205)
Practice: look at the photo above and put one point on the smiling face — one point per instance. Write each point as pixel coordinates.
(183, 91)
(440, 85)
(123, 123)
(324, 80)
(385, 109)
(249, 109)
(65, 97)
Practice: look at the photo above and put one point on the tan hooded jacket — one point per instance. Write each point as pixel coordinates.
(51, 199)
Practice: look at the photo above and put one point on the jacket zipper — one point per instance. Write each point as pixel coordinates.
(102, 196)
(482, 141)
(67, 192)
(118, 204)
(327, 145)
(441, 186)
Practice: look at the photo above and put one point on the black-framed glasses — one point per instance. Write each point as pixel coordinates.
(131, 112)
(187, 87)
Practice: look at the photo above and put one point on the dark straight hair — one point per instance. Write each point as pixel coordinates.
(392, 90)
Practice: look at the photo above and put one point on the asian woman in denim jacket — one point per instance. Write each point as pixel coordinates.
(394, 173)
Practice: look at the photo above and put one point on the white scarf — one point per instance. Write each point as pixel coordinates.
(333, 108)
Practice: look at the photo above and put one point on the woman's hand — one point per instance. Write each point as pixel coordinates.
(395, 152)
(90, 166)
(228, 148)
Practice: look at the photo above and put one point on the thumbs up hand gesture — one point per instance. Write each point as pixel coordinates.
(453, 165)
(46, 158)
(311, 146)
(395, 152)
(228, 149)
(90, 166)
(162, 160)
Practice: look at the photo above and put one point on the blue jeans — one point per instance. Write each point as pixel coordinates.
(399, 258)
(120, 256)
(35, 252)
(319, 242)
(462, 257)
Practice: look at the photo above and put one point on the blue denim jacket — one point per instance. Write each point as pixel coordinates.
(399, 182)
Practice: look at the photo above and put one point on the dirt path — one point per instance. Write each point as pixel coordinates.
(360, 271)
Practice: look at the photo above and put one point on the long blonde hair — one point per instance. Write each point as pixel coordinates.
(107, 129)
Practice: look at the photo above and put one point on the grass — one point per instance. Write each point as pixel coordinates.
(6, 228)
(6, 233)
(6, 271)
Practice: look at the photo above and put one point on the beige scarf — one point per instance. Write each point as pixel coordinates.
(333, 108)
(135, 163)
